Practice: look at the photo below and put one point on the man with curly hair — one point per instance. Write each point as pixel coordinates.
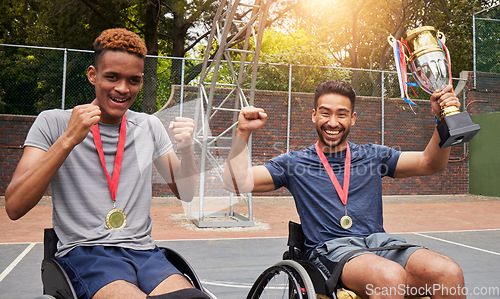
(97, 159)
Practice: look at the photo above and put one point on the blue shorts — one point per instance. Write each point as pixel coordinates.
(335, 249)
(91, 268)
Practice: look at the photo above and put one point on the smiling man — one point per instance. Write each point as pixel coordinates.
(337, 188)
(97, 159)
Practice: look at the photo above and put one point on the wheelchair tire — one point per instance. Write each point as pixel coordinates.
(285, 279)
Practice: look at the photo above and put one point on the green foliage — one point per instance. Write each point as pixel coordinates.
(488, 41)
(16, 84)
(294, 48)
(18, 19)
(31, 79)
(315, 33)
(167, 27)
(360, 28)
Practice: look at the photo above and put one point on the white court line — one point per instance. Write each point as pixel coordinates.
(284, 237)
(240, 286)
(16, 261)
(226, 284)
(20, 243)
(459, 244)
(449, 231)
(221, 239)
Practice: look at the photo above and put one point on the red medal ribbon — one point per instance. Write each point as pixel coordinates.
(347, 173)
(112, 183)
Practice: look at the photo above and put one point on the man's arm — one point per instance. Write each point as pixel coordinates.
(238, 176)
(37, 167)
(180, 174)
(433, 159)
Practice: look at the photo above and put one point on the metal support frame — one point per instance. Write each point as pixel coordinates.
(235, 21)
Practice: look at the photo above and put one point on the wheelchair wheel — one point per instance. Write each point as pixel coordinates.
(286, 279)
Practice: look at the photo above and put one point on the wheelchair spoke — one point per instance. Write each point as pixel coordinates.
(286, 279)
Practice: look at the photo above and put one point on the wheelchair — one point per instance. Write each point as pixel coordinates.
(298, 278)
(56, 283)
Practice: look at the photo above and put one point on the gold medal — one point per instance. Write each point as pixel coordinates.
(116, 219)
(346, 222)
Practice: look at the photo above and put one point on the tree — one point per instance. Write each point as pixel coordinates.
(355, 32)
(487, 41)
(168, 26)
(18, 90)
(296, 48)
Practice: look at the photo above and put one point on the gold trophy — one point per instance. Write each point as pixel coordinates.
(423, 50)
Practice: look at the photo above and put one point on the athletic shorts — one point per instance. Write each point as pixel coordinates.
(335, 249)
(91, 268)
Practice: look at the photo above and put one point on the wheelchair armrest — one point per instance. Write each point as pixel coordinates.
(296, 241)
(50, 240)
(295, 235)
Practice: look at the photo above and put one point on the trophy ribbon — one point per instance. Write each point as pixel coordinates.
(399, 57)
(116, 218)
(345, 221)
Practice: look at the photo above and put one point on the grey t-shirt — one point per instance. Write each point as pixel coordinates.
(80, 192)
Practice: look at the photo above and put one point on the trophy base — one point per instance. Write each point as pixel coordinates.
(456, 129)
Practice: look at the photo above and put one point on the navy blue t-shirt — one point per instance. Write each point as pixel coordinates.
(317, 202)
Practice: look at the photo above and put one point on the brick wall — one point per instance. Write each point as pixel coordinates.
(12, 135)
(485, 97)
(405, 129)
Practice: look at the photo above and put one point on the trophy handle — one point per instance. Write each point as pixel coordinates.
(391, 39)
(441, 36)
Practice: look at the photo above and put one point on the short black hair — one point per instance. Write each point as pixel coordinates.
(335, 87)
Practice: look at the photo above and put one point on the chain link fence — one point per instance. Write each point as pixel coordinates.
(33, 79)
(486, 43)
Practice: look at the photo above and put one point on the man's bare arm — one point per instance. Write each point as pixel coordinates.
(37, 167)
(238, 175)
(180, 174)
